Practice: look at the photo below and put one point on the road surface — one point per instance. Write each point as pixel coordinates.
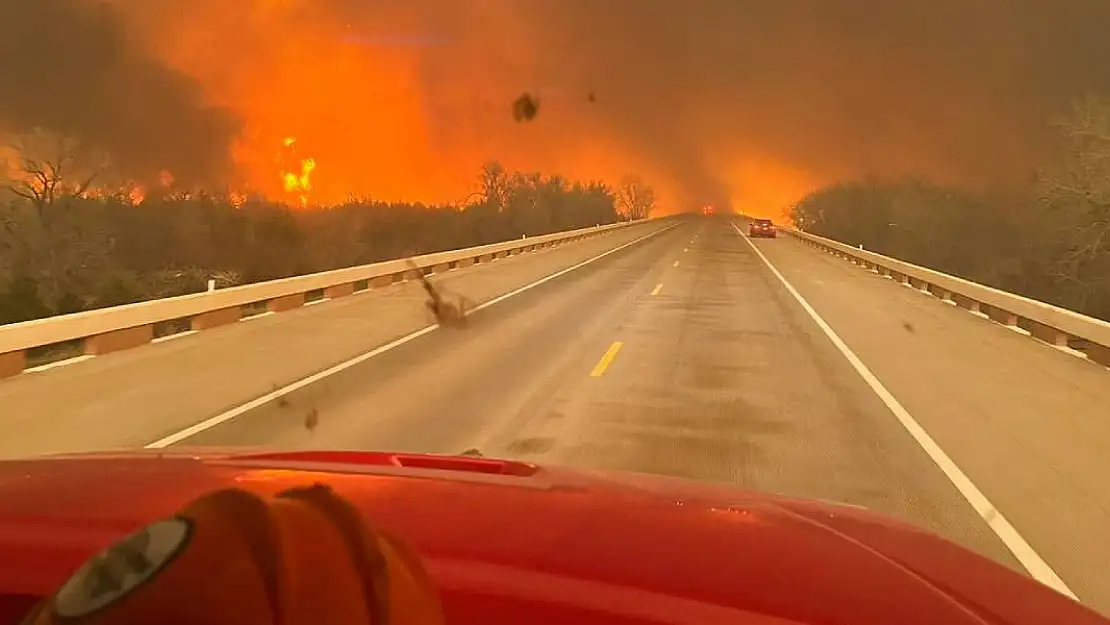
(683, 354)
(134, 397)
(686, 356)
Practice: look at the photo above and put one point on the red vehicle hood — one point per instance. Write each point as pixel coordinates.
(514, 543)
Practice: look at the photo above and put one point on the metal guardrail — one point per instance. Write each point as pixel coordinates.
(106, 330)
(1057, 326)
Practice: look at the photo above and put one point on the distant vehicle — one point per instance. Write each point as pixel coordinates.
(762, 228)
(707, 210)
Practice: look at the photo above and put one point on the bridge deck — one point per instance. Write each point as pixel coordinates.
(721, 374)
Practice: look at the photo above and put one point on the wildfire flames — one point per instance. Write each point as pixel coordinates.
(399, 104)
(740, 104)
(298, 182)
(334, 100)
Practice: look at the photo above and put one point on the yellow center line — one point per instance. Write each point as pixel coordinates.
(658, 287)
(675, 264)
(606, 360)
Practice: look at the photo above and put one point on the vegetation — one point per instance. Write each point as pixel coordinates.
(1049, 241)
(65, 248)
(67, 245)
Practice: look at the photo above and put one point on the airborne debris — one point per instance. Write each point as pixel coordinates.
(312, 420)
(525, 108)
(282, 400)
(447, 314)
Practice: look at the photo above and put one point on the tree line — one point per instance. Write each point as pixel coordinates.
(64, 248)
(1049, 240)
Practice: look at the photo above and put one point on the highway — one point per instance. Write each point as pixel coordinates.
(680, 348)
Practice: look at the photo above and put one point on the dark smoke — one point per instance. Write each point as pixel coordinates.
(954, 90)
(948, 90)
(69, 67)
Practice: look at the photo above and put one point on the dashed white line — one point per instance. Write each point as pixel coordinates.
(241, 409)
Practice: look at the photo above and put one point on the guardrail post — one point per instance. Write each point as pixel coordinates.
(289, 302)
(336, 291)
(133, 325)
(118, 340)
(12, 363)
(1004, 317)
(1098, 353)
(216, 318)
(1050, 335)
(1056, 326)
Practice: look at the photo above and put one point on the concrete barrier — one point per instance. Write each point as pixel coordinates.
(106, 330)
(1060, 327)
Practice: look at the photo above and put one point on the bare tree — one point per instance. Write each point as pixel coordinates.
(1080, 179)
(1075, 189)
(635, 199)
(494, 185)
(102, 252)
(51, 171)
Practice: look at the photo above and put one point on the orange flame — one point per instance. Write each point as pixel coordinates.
(402, 122)
(298, 182)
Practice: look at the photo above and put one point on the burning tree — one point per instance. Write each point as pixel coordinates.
(48, 173)
(51, 169)
(635, 199)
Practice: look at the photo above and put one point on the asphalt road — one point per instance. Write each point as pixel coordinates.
(682, 354)
(719, 375)
(138, 396)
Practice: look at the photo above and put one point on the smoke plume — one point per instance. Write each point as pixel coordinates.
(70, 67)
(748, 102)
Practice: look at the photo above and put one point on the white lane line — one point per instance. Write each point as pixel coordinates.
(60, 363)
(174, 336)
(228, 415)
(992, 516)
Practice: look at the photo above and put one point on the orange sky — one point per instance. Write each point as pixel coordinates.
(384, 117)
(745, 103)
